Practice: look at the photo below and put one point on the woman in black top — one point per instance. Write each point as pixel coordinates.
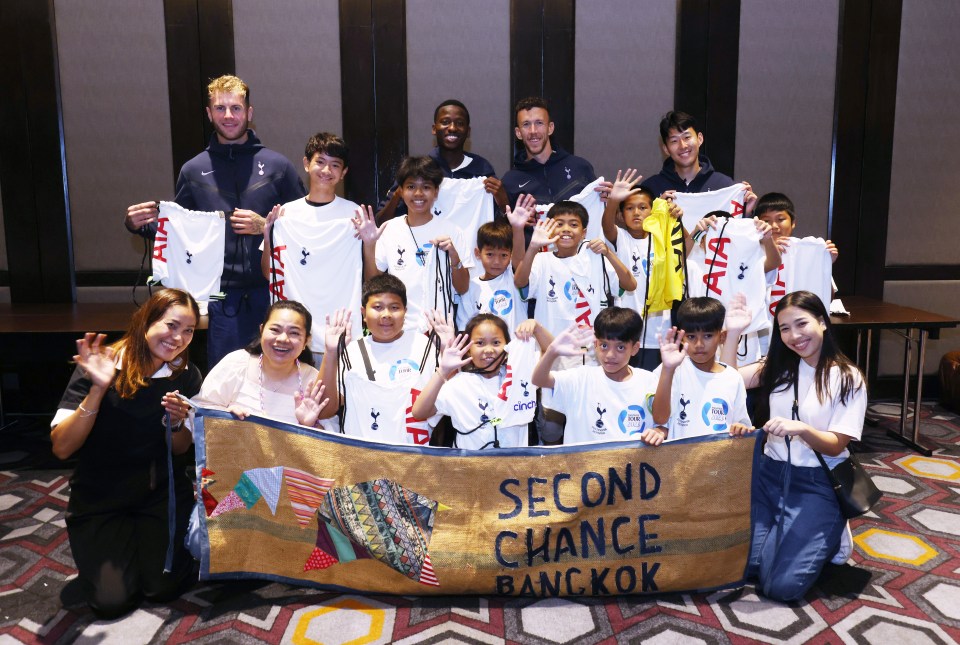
(113, 417)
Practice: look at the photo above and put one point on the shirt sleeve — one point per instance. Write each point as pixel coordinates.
(536, 276)
(76, 392)
(847, 418)
(566, 389)
(219, 390)
(380, 251)
(463, 248)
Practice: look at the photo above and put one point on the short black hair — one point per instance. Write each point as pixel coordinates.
(618, 323)
(530, 103)
(383, 283)
(775, 202)
(329, 144)
(678, 121)
(700, 314)
(495, 235)
(455, 103)
(641, 190)
(419, 168)
(568, 207)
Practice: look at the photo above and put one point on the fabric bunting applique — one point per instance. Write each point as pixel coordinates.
(385, 521)
(231, 502)
(306, 492)
(209, 501)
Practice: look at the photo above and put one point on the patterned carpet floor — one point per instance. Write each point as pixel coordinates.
(902, 585)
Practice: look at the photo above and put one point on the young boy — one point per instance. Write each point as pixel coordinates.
(382, 372)
(572, 284)
(500, 249)
(704, 395)
(610, 401)
(627, 208)
(314, 236)
(418, 248)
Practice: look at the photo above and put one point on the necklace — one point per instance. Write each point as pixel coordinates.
(263, 408)
(420, 254)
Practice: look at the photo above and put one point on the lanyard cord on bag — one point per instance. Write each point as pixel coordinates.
(646, 292)
(274, 296)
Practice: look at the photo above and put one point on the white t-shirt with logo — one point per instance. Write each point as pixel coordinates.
(310, 242)
(704, 403)
(601, 409)
(425, 278)
(188, 251)
(637, 256)
(498, 296)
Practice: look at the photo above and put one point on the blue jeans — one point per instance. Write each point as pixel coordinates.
(234, 321)
(787, 559)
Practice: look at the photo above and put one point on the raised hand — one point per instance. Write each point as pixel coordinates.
(738, 315)
(623, 185)
(437, 321)
(338, 324)
(365, 225)
(573, 341)
(525, 213)
(309, 404)
(544, 233)
(604, 188)
(452, 357)
(672, 351)
(97, 360)
(674, 210)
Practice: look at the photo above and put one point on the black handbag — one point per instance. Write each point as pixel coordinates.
(855, 490)
(856, 493)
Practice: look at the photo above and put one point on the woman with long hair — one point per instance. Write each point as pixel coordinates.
(121, 417)
(813, 399)
(274, 375)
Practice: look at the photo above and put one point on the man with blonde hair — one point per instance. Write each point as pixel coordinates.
(238, 175)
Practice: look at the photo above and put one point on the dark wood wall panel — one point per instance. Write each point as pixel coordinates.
(868, 55)
(32, 167)
(542, 60)
(373, 65)
(199, 47)
(708, 54)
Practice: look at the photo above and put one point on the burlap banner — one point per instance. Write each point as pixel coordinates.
(285, 503)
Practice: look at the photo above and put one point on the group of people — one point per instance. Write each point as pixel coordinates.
(540, 325)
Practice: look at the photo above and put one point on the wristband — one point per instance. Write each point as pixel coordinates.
(89, 413)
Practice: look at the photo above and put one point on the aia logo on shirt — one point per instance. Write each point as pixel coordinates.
(501, 303)
(632, 420)
(714, 414)
(403, 367)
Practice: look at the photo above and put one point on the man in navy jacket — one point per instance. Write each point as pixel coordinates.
(238, 175)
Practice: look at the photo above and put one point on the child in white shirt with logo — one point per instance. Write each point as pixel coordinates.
(611, 401)
(483, 383)
(706, 396)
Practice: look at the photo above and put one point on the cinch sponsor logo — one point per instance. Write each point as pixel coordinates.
(524, 406)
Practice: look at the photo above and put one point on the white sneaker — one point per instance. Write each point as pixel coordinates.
(846, 546)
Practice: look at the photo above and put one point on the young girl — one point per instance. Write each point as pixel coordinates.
(114, 417)
(491, 400)
(274, 375)
(815, 400)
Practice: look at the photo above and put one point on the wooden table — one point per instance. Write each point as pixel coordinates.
(65, 317)
(867, 315)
